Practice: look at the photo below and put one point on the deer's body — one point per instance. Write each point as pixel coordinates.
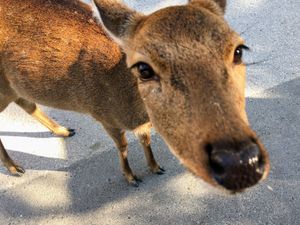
(188, 78)
(57, 56)
(53, 53)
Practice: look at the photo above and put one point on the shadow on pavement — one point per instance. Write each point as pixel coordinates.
(95, 182)
(27, 134)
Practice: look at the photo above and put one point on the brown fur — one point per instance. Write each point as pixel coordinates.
(53, 53)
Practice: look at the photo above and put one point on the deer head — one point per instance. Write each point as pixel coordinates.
(191, 77)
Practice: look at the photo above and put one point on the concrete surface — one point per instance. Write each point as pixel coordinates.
(77, 180)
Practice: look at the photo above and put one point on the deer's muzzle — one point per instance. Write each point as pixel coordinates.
(236, 166)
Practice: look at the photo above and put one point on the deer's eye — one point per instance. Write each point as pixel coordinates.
(145, 71)
(238, 54)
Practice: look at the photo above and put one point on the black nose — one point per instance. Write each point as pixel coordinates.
(236, 167)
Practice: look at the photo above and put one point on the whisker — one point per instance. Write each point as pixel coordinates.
(257, 62)
(249, 27)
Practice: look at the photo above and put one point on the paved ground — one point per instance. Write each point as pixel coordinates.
(77, 180)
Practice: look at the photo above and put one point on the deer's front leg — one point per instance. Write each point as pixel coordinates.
(145, 139)
(120, 140)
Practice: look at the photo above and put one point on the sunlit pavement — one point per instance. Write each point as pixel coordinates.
(77, 180)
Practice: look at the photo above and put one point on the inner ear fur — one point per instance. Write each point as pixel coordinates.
(117, 18)
(215, 6)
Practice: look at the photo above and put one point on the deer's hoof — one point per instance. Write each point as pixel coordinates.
(135, 181)
(138, 179)
(63, 132)
(159, 170)
(16, 170)
(71, 132)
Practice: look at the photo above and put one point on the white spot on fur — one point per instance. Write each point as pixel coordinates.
(140, 130)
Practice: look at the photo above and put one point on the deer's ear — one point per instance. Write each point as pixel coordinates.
(118, 20)
(211, 4)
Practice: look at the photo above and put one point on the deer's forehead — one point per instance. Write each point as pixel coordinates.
(182, 30)
(183, 23)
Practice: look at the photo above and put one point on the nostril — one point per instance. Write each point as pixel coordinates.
(217, 165)
(221, 161)
(260, 164)
(250, 155)
(261, 161)
(209, 148)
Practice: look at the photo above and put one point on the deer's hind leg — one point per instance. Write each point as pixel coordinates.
(119, 138)
(11, 166)
(143, 133)
(32, 109)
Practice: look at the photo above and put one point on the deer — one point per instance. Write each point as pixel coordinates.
(179, 69)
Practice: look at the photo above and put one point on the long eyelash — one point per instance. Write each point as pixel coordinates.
(245, 47)
(133, 66)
